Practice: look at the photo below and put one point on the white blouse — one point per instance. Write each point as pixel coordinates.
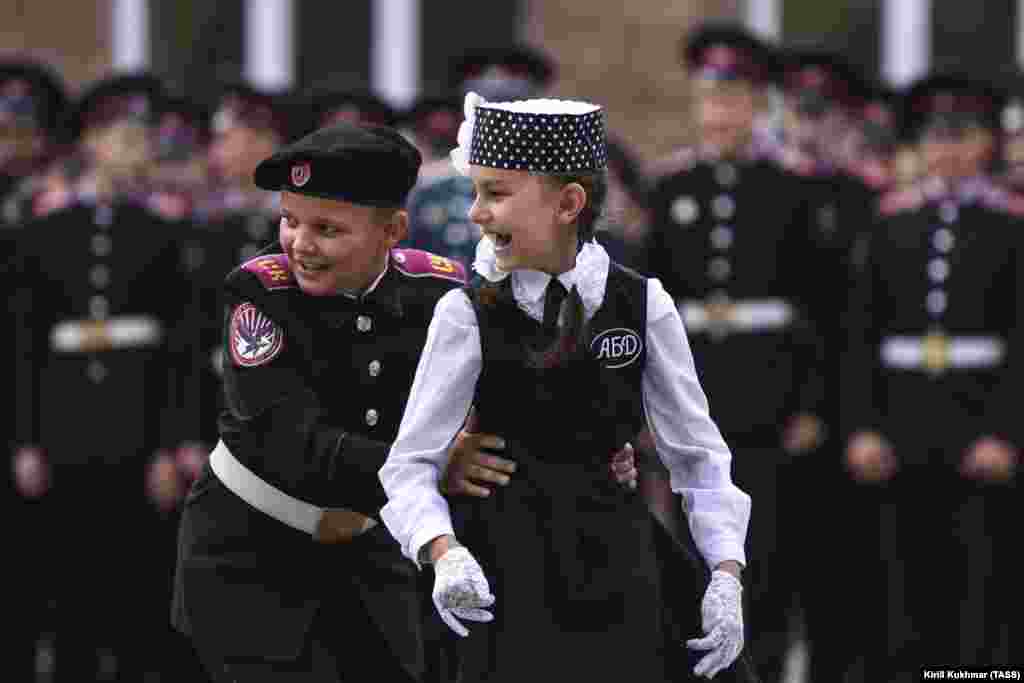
(687, 440)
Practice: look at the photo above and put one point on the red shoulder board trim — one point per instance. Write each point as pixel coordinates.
(417, 263)
(899, 200)
(272, 270)
(1013, 204)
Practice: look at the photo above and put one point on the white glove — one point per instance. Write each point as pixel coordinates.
(722, 614)
(461, 589)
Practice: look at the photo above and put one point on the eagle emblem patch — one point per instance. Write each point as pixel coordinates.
(255, 339)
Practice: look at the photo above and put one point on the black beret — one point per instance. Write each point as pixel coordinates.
(370, 165)
(951, 100)
(519, 60)
(822, 77)
(725, 51)
(130, 96)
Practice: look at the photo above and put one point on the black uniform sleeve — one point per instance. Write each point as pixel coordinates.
(811, 287)
(276, 423)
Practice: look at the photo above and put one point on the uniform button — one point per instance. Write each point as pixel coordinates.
(104, 216)
(372, 417)
(374, 368)
(99, 276)
(99, 307)
(725, 175)
(721, 237)
(719, 269)
(936, 302)
(96, 371)
(943, 240)
(364, 323)
(948, 212)
(101, 244)
(938, 269)
(723, 206)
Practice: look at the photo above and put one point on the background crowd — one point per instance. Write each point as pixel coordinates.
(844, 255)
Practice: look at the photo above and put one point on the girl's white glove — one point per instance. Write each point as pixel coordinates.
(461, 589)
(722, 615)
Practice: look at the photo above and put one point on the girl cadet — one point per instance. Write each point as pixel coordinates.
(567, 355)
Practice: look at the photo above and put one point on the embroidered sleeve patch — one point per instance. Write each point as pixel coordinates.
(419, 263)
(254, 338)
(272, 270)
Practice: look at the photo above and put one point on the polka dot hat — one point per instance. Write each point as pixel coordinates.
(538, 136)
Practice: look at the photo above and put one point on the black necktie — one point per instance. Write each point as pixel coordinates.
(553, 298)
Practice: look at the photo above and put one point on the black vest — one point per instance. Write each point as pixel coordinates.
(580, 412)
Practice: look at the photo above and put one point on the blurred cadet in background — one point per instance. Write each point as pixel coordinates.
(503, 74)
(32, 103)
(432, 124)
(113, 124)
(1012, 129)
(179, 176)
(731, 241)
(439, 204)
(823, 98)
(102, 300)
(231, 222)
(248, 125)
(623, 228)
(930, 391)
(875, 138)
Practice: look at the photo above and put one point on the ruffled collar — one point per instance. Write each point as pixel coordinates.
(590, 276)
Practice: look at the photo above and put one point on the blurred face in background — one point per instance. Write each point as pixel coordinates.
(122, 149)
(956, 153)
(724, 112)
(19, 143)
(236, 152)
(818, 130)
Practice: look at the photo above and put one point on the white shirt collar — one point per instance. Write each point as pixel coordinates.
(590, 275)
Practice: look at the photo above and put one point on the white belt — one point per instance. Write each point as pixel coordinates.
(268, 499)
(121, 332)
(936, 352)
(745, 315)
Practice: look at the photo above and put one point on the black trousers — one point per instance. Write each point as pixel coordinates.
(770, 577)
(936, 533)
(343, 645)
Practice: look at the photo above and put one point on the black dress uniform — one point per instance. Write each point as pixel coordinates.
(938, 341)
(315, 389)
(732, 240)
(32, 103)
(820, 87)
(335, 395)
(101, 361)
(941, 312)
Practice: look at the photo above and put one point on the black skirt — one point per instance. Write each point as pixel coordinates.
(572, 559)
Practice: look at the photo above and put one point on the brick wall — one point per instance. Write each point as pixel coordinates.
(624, 54)
(71, 35)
